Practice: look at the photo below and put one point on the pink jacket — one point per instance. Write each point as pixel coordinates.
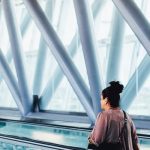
(108, 127)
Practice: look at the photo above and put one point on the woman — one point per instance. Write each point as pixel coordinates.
(110, 125)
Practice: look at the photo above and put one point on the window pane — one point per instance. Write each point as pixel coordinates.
(6, 99)
(64, 99)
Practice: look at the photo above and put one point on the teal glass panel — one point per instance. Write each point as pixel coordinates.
(144, 143)
(61, 136)
(9, 146)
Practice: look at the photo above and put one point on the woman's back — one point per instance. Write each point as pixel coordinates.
(110, 123)
(109, 126)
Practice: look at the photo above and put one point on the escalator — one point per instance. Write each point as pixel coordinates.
(31, 136)
(23, 135)
(144, 139)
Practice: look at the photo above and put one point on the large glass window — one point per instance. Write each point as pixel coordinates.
(61, 15)
(6, 99)
(132, 54)
(64, 99)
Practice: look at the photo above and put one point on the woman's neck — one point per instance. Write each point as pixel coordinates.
(113, 108)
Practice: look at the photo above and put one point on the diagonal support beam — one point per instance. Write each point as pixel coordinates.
(37, 83)
(135, 53)
(118, 27)
(55, 80)
(15, 40)
(8, 59)
(130, 90)
(86, 31)
(96, 7)
(24, 25)
(0, 13)
(136, 21)
(60, 54)
(11, 82)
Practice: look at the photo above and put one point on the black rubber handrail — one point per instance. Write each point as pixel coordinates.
(141, 135)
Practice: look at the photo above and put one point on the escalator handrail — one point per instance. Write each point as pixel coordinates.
(38, 143)
(48, 125)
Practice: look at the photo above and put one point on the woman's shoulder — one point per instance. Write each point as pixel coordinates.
(128, 116)
(101, 114)
(104, 114)
(113, 112)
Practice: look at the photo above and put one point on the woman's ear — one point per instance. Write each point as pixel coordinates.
(106, 100)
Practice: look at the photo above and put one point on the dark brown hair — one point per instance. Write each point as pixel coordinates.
(112, 92)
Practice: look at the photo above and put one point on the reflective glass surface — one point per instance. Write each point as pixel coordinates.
(61, 136)
(8, 146)
(56, 134)
(144, 143)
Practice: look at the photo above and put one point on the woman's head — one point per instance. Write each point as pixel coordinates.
(112, 93)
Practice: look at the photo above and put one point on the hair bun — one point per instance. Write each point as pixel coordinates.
(116, 86)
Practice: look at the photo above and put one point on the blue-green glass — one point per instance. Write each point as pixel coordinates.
(57, 135)
(8, 146)
(144, 144)
(61, 136)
